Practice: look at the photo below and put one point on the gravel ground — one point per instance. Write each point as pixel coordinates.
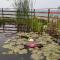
(12, 48)
(3, 38)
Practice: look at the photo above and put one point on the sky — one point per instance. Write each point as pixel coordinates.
(37, 4)
(47, 3)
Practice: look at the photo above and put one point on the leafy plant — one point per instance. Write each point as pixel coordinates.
(37, 25)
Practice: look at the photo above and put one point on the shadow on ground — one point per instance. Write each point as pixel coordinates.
(26, 56)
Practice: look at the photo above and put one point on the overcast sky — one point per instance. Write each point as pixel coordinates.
(37, 4)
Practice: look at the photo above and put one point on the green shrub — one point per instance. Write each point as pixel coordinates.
(37, 25)
(2, 21)
(43, 21)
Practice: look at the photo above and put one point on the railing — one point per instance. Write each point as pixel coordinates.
(9, 15)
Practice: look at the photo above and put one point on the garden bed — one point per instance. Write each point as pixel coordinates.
(49, 51)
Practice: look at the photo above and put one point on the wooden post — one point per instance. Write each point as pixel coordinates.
(57, 21)
(48, 15)
(17, 27)
(3, 20)
(32, 19)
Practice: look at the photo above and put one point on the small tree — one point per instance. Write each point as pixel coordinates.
(21, 11)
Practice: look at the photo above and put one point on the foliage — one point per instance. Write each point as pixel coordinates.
(58, 25)
(2, 21)
(22, 12)
(38, 25)
(52, 29)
